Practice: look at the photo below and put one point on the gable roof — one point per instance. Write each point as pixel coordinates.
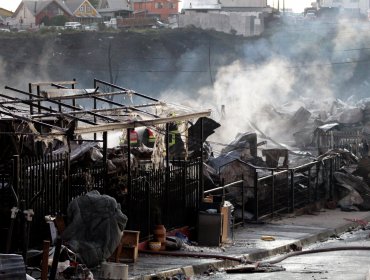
(5, 13)
(35, 7)
(114, 5)
(74, 5)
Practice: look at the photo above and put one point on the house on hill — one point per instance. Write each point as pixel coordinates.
(4, 14)
(162, 9)
(83, 11)
(30, 14)
(114, 8)
(346, 8)
(239, 17)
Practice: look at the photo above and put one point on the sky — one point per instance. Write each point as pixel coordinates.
(296, 5)
(10, 5)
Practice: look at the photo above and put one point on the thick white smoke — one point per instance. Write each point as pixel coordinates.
(298, 66)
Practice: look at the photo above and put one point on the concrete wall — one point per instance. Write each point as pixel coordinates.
(227, 22)
(244, 3)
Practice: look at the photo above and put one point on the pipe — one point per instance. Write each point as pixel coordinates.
(244, 261)
(196, 255)
(314, 251)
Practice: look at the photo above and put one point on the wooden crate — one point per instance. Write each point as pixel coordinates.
(128, 249)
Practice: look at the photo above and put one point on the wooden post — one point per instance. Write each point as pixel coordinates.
(45, 260)
(54, 265)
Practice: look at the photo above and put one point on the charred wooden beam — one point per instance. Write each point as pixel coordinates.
(97, 96)
(133, 124)
(30, 102)
(38, 99)
(124, 89)
(50, 83)
(32, 121)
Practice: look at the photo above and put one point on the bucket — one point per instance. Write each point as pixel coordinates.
(114, 271)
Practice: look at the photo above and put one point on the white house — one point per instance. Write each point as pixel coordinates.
(239, 17)
(349, 7)
(244, 3)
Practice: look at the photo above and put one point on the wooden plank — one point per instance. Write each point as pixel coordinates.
(133, 124)
(57, 83)
(225, 224)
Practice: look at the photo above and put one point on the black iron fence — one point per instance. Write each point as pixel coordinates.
(165, 196)
(48, 184)
(168, 196)
(350, 140)
(272, 191)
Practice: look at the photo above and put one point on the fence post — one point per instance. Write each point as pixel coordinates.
(292, 202)
(309, 185)
(30, 91)
(201, 160)
(256, 214)
(67, 183)
(147, 187)
(16, 173)
(243, 202)
(331, 175)
(167, 183)
(273, 193)
(317, 165)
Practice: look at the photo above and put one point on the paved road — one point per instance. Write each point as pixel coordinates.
(348, 265)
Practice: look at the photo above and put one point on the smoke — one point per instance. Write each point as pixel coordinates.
(25, 66)
(295, 64)
(309, 65)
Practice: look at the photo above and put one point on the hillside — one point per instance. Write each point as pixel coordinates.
(151, 61)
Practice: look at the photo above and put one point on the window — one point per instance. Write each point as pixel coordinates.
(88, 8)
(82, 9)
(158, 5)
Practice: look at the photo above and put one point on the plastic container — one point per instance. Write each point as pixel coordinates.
(114, 271)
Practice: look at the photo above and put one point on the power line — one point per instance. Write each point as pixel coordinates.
(250, 68)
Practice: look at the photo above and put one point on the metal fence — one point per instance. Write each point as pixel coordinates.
(271, 191)
(165, 196)
(48, 184)
(168, 196)
(350, 140)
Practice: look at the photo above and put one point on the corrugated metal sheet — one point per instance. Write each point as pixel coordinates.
(12, 267)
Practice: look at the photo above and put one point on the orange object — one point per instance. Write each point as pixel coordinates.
(160, 235)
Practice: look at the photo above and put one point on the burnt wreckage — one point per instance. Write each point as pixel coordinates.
(60, 142)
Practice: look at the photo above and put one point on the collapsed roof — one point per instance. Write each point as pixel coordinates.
(106, 107)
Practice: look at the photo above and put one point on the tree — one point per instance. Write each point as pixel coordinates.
(45, 20)
(58, 20)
